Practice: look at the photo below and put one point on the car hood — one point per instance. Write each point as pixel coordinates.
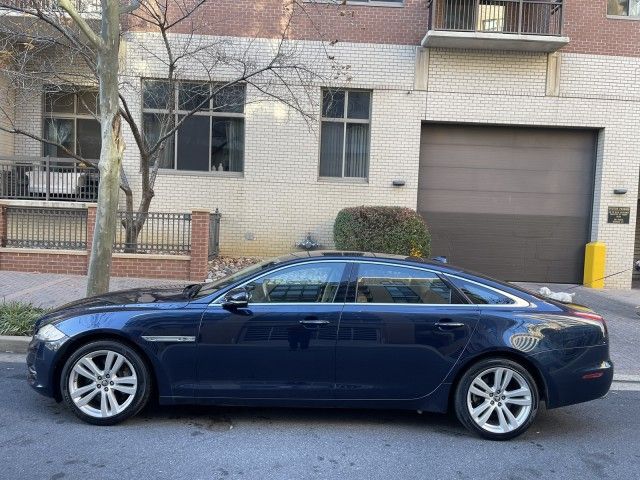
(143, 297)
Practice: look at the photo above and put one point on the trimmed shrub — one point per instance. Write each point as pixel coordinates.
(396, 230)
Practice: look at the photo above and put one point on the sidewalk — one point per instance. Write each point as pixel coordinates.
(52, 290)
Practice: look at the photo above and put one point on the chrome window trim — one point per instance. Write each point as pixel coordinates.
(518, 302)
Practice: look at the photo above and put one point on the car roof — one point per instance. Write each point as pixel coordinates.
(352, 255)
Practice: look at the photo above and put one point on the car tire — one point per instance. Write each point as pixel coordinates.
(105, 382)
(497, 399)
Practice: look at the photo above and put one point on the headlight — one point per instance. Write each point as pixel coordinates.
(49, 333)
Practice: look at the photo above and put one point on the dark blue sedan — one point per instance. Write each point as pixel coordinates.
(330, 329)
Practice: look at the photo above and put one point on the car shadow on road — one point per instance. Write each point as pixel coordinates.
(549, 424)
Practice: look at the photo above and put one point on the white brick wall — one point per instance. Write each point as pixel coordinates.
(279, 199)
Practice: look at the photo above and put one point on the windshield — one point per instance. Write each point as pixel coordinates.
(208, 288)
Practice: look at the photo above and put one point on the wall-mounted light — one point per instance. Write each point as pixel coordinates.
(398, 182)
(620, 191)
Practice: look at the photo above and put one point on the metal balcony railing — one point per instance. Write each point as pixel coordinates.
(527, 17)
(47, 178)
(82, 6)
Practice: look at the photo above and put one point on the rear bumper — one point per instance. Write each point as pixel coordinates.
(576, 375)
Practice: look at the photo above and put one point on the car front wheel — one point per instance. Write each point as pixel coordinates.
(497, 399)
(105, 382)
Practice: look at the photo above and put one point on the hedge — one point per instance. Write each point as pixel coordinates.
(394, 230)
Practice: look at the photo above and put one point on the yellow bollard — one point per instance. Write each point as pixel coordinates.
(594, 263)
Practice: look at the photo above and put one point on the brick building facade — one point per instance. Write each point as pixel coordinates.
(592, 82)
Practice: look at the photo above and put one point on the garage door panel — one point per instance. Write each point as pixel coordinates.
(505, 203)
(486, 136)
(534, 159)
(502, 180)
(500, 247)
(510, 202)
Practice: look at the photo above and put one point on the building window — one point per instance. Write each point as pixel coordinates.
(70, 121)
(624, 8)
(210, 140)
(344, 133)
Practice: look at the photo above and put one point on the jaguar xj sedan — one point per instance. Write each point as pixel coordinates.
(327, 329)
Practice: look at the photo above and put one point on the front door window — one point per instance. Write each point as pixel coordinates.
(310, 283)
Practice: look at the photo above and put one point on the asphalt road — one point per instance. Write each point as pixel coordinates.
(40, 439)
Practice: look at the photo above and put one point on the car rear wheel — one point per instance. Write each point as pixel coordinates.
(497, 399)
(105, 382)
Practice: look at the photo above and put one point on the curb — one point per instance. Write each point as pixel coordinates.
(623, 378)
(14, 344)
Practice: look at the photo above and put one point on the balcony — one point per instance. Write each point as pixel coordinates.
(87, 8)
(524, 25)
(47, 178)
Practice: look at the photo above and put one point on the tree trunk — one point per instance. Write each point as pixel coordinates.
(110, 153)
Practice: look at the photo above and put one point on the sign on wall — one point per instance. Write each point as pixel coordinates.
(619, 215)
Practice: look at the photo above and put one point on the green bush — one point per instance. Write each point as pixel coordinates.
(17, 318)
(395, 230)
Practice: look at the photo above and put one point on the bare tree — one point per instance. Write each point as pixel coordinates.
(75, 48)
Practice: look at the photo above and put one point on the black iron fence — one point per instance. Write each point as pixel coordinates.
(214, 234)
(47, 178)
(532, 17)
(50, 228)
(160, 233)
(82, 6)
(66, 228)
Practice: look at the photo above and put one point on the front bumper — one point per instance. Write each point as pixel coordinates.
(576, 375)
(41, 361)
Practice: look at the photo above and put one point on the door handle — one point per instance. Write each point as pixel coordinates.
(445, 324)
(314, 321)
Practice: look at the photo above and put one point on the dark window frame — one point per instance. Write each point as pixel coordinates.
(210, 112)
(627, 15)
(74, 116)
(345, 121)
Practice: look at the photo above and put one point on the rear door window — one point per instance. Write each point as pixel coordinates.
(382, 283)
(480, 295)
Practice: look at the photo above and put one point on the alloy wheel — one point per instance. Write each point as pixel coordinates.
(102, 383)
(499, 400)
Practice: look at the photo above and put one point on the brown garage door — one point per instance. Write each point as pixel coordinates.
(514, 203)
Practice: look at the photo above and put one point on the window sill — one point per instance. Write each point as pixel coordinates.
(346, 180)
(623, 17)
(200, 173)
(380, 3)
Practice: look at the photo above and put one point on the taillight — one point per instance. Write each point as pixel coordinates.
(592, 316)
(589, 316)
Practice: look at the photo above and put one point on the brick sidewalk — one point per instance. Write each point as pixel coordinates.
(52, 290)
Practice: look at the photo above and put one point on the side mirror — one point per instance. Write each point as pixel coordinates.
(238, 298)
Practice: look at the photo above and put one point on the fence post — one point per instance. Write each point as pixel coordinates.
(91, 225)
(47, 178)
(3, 225)
(520, 16)
(199, 244)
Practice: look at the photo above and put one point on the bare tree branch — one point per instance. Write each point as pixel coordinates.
(82, 24)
